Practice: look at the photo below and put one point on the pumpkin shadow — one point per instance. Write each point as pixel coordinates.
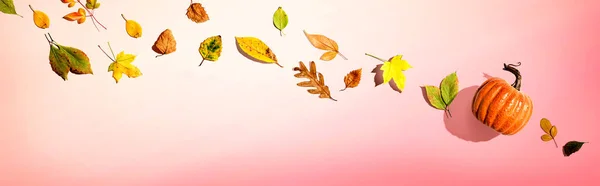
(248, 56)
(378, 79)
(463, 123)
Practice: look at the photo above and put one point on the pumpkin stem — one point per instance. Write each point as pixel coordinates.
(511, 68)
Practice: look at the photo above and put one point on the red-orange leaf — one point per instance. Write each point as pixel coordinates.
(78, 16)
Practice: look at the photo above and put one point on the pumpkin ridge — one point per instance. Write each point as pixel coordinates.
(494, 104)
(485, 104)
(504, 96)
(527, 115)
(474, 102)
(515, 116)
(506, 111)
(481, 94)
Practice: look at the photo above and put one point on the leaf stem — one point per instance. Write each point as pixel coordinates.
(332, 98)
(344, 57)
(374, 57)
(91, 14)
(123, 17)
(344, 89)
(111, 50)
(159, 55)
(105, 53)
(31, 8)
(201, 62)
(447, 110)
(278, 64)
(555, 144)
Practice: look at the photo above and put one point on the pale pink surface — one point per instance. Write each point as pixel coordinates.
(239, 123)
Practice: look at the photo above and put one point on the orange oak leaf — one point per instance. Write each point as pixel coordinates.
(78, 16)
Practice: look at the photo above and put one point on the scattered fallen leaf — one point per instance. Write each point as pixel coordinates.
(572, 147)
(549, 129)
(121, 64)
(8, 7)
(71, 3)
(393, 70)
(133, 28)
(64, 59)
(352, 79)
(257, 49)
(440, 98)
(210, 49)
(316, 80)
(196, 13)
(40, 19)
(78, 16)
(324, 43)
(92, 4)
(165, 43)
(280, 20)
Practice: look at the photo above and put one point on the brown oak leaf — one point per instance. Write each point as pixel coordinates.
(316, 80)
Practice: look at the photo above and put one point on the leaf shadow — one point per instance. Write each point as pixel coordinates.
(378, 79)
(463, 124)
(246, 55)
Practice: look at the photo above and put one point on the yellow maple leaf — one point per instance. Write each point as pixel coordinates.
(393, 70)
(122, 65)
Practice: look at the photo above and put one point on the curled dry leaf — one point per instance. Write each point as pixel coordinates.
(280, 20)
(196, 13)
(78, 16)
(440, 98)
(8, 7)
(352, 79)
(315, 80)
(210, 49)
(165, 43)
(324, 43)
(133, 28)
(92, 4)
(257, 49)
(549, 129)
(40, 19)
(64, 59)
(70, 3)
(572, 147)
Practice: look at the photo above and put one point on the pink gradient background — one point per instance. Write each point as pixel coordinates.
(239, 123)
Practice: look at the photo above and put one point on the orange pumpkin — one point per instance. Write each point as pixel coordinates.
(503, 106)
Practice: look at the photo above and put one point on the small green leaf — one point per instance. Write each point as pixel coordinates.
(79, 62)
(210, 48)
(280, 20)
(434, 97)
(449, 88)
(92, 4)
(572, 147)
(58, 62)
(8, 7)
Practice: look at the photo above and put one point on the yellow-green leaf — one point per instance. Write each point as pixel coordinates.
(92, 4)
(79, 63)
(546, 137)
(133, 28)
(449, 88)
(8, 7)
(435, 98)
(545, 125)
(210, 48)
(257, 49)
(280, 20)
(58, 62)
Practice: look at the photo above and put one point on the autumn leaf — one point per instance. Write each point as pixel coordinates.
(196, 13)
(280, 20)
(256, 49)
(165, 43)
(122, 65)
(92, 4)
(440, 98)
(572, 147)
(550, 131)
(210, 49)
(78, 16)
(324, 43)
(70, 3)
(40, 19)
(8, 7)
(352, 79)
(133, 28)
(64, 59)
(393, 70)
(316, 80)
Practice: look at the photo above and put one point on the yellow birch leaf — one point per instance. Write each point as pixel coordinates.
(256, 49)
(133, 28)
(40, 19)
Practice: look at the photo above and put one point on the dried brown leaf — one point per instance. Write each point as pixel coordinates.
(165, 44)
(324, 43)
(352, 79)
(196, 13)
(316, 80)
